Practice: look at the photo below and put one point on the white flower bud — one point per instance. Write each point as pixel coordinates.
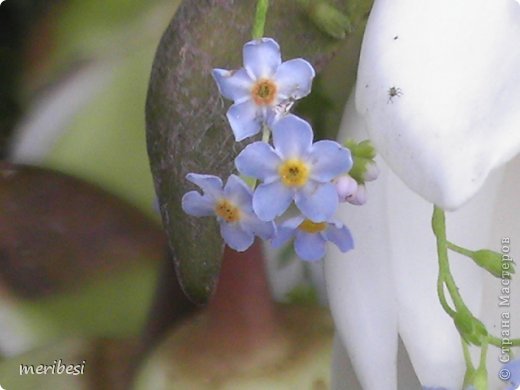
(372, 171)
(359, 198)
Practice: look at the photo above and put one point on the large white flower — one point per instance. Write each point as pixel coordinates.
(387, 286)
(439, 89)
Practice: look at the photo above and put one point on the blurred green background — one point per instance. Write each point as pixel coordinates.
(74, 76)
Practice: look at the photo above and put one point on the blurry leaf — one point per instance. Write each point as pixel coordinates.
(303, 294)
(75, 260)
(317, 107)
(187, 129)
(58, 232)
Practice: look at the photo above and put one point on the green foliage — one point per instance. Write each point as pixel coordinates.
(363, 154)
(327, 18)
(303, 294)
(471, 329)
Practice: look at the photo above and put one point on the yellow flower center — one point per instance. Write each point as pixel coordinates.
(293, 173)
(264, 92)
(308, 226)
(227, 211)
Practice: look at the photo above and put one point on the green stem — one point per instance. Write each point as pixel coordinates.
(442, 296)
(439, 229)
(459, 249)
(260, 16)
(445, 277)
(483, 354)
(470, 369)
(467, 356)
(493, 340)
(266, 133)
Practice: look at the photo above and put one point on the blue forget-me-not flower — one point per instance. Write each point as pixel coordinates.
(512, 368)
(311, 237)
(262, 85)
(294, 169)
(231, 205)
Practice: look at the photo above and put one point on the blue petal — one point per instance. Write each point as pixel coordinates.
(197, 205)
(286, 231)
(340, 235)
(245, 119)
(318, 202)
(233, 85)
(262, 58)
(235, 237)
(329, 159)
(292, 137)
(514, 368)
(258, 160)
(283, 234)
(271, 200)
(294, 78)
(293, 223)
(309, 247)
(238, 192)
(211, 185)
(264, 230)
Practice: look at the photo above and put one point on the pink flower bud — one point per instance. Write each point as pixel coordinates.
(346, 187)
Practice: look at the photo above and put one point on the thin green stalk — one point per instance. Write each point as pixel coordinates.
(260, 16)
(469, 376)
(467, 356)
(459, 249)
(442, 296)
(493, 340)
(439, 229)
(483, 354)
(445, 277)
(266, 133)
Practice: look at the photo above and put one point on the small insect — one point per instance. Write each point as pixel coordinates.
(393, 92)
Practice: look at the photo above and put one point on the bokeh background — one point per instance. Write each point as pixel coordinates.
(85, 273)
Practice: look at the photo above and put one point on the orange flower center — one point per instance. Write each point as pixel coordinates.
(227, 211)
(264, 92)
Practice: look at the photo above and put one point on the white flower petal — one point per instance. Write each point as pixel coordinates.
(360, 284)
(343, 376)
(506, 224)
(454, 115)
(429, 334)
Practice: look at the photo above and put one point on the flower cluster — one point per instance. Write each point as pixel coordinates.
(291, 170)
